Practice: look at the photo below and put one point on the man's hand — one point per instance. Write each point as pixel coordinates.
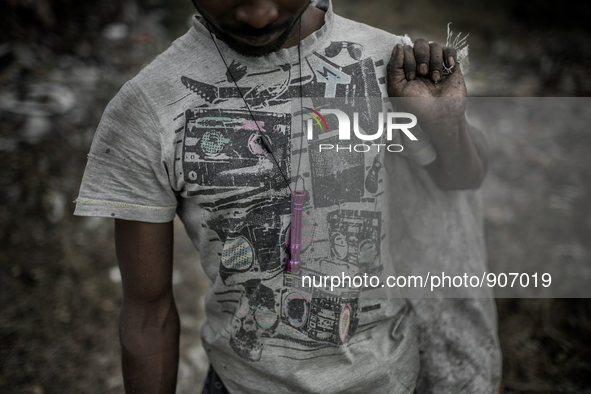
(427, 71)
(428, 79)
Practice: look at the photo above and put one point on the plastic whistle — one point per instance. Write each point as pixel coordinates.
(297, 203)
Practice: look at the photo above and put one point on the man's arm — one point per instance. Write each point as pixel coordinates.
(462, 155)
(149, 322)
(439, 102)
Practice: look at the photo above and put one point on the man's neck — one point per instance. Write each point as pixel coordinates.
(312, 20)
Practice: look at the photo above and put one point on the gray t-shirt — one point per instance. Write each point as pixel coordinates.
(178, 139)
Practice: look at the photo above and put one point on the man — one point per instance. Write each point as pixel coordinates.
(206, 131)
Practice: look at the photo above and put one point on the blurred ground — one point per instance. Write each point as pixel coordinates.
(60, 290)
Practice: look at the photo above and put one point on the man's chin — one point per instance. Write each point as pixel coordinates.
(256, 50)
(252, 50)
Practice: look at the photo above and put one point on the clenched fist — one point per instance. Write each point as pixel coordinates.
(427, 72)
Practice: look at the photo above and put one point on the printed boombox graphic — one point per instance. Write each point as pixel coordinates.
(252, 247)
(355, 238)
(322, 316)
(222, 148)
(239, 261)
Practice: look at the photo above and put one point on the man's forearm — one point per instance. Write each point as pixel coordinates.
(462, 155)
(149, 334)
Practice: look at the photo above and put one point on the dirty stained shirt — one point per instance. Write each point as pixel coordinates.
(178, 139)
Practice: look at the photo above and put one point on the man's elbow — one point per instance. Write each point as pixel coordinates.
(152, 313)
(141, 322)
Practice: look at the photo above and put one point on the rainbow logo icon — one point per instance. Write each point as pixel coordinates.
(313, 114)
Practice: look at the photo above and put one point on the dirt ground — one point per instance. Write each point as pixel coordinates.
(59, 284)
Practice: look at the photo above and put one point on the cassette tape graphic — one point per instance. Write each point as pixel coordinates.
(221, 147)
(355, 238)
(322, 316)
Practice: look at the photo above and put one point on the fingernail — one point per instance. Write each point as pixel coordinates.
(423, 68)
(436, 76)
(451, 61)
(411, 75)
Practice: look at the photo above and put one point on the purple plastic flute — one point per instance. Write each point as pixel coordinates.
(297, 202)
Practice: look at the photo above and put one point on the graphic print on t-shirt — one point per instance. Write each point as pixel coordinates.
(333, 73)
(336, 176)
(247, 203)
(221, 149)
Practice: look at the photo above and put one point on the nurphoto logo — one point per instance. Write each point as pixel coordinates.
(344, 129)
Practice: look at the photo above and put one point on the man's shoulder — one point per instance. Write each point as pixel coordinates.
(179, 57)
(161, 82)
(377, 43)
(362, 29)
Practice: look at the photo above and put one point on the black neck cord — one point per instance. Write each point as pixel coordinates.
(262, 139)
(301, 105)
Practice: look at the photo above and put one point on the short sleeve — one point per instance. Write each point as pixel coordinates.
(126, 176)
(421, 151)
